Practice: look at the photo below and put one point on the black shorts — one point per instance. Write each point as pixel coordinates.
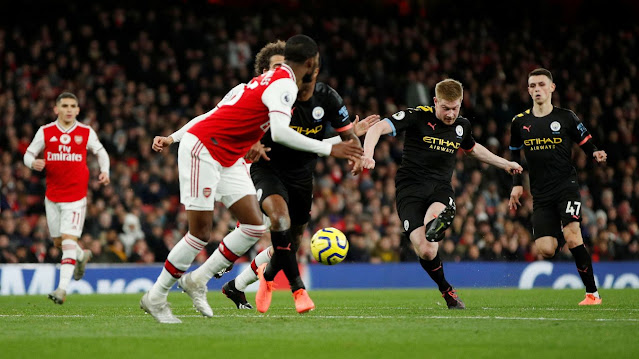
(413, 201)
(550, 215)
(295, 187)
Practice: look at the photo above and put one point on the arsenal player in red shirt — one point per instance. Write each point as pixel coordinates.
(65, 143)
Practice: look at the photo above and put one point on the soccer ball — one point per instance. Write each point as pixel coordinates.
(329, 246)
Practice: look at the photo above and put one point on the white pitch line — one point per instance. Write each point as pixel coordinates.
(485, 308)
(311, 316)
(435, 317)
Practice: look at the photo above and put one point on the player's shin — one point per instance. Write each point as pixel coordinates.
(435, 269)
(285, 256)
(177, 262)
(584, 267)
(234, 245)
(249, 275)
(67, 265)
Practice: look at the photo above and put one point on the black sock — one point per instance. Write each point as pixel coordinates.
(435, 269)
(284, 258)
(278, 239)
(584, 267)
(296, 283)
(289, 263)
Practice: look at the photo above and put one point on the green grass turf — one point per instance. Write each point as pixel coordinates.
(499, 323)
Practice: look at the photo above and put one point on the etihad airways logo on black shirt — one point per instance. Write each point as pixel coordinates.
(308, 130)
(440, 144)
(544, 143)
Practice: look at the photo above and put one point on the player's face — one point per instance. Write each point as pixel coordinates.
(67, 110)
(312, 67)
(306, 89)
(447, 111)
(540, 88)
(275, 61)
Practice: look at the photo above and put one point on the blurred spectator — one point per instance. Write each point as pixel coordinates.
(132, 232)
(181, 63)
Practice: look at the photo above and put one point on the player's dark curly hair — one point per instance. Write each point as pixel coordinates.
(263, 58)
(300, 48)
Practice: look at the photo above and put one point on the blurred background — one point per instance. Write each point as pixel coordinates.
(145, 68)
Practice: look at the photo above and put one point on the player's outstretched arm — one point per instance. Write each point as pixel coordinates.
(483, 154)
(281, 133)
(359, 128)
(350, 136)
(370, 141)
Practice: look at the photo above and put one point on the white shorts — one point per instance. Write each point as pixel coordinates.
(203, 180)
(65, 217)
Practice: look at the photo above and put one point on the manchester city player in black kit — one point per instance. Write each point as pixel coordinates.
(284, 183)
(546, 134)
(425, 197)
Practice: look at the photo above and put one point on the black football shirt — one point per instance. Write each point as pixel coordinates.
(547, 142)
(430, 146)
(310, 118)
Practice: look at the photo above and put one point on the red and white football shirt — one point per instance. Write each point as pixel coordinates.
(241, 118)
(65, 156)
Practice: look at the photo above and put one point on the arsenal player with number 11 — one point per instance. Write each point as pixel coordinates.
(65, 143)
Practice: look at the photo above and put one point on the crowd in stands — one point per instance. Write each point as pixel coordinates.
(146, 72)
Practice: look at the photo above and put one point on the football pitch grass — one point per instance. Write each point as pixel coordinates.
(412, 323)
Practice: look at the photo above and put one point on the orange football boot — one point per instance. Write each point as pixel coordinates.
(590, 300)
(264, 292)
(303, 302)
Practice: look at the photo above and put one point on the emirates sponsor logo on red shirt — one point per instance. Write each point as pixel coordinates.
(62, 156)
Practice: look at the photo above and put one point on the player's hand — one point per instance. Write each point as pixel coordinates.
(159, 142)
(356, 166)
(103, 178)
(350, 150)
(368, 163)
(514, 168)
(515, 194)
(38, 165)
(361, 127)
(600, 156)
(257, 151)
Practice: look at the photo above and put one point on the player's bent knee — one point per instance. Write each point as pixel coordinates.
(427, 250)
(547, 251)
(57, 242)
(280, 221)
(547, 254)
(546, 246)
